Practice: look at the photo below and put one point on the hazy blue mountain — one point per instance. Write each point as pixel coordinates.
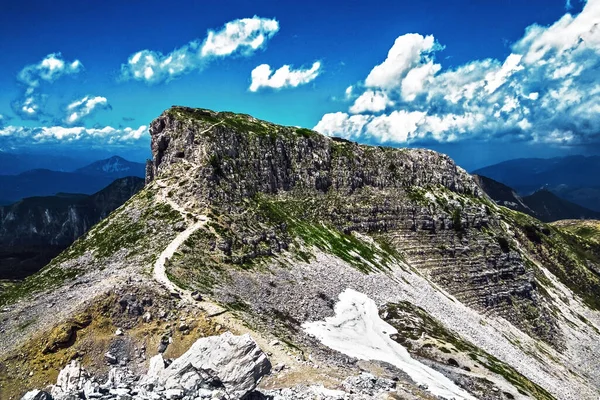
(86, 180)
(542, 204)
(16, 163)
(573, 178)
(44, 182)
(115, 166)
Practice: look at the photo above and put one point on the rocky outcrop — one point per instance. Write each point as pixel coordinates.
(234, 363)
(243, 156)
(218, 367)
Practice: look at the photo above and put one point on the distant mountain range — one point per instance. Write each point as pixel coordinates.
(573, 178)
(115, 167)
(85, 180)
(542, 204)
(13, 164)
(36, 229)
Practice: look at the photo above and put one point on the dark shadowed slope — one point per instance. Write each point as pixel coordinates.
(35, 229)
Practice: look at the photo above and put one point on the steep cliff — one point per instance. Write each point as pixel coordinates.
(312, 244)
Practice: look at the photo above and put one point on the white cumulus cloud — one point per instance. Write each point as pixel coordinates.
(241, 36)
(48, 70)
(406, 54)
(371, 101)
(84, 107)
(263, 76)
(108, 135)
(546, 90)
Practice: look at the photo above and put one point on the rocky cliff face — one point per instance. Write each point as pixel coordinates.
(312, 244)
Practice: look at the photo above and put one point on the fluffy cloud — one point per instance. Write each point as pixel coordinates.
(241, 36)
(263, 76)
(153, 67)
(49, 69)
(407, 53)
(28, 106)
(60, 134)
(370, 101)
(84, 107)
(546, 90)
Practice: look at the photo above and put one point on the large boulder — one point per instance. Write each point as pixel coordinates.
(70, 381)
(235, 362)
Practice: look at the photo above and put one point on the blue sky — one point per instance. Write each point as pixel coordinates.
(465, 77)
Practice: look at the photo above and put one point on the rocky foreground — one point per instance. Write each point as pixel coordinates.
(218, 367)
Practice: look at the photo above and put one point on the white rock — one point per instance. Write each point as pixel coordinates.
(190, 381)
(110, 358)
(116, 377)
(174, 394)
(120, 391)
(204, 393)
(237, 361)
(90, 390)
(119, 332)
(36, 395)
(157, 366)
(70, 380)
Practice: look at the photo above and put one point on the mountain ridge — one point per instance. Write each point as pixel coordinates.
(115, 166)
(261, 228)
(542, 204)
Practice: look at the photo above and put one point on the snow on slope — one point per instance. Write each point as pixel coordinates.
(357, 331)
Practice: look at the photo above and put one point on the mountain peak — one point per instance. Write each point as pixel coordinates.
(115, 167)
(251, 156)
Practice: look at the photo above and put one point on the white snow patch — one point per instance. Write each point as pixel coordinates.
(357, 331)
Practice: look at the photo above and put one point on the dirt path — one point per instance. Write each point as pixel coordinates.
(159, 271)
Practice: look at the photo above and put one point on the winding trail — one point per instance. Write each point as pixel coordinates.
(220, 315)
(160, 273)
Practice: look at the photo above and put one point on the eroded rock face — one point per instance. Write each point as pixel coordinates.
(37, 229)
(247, 156)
